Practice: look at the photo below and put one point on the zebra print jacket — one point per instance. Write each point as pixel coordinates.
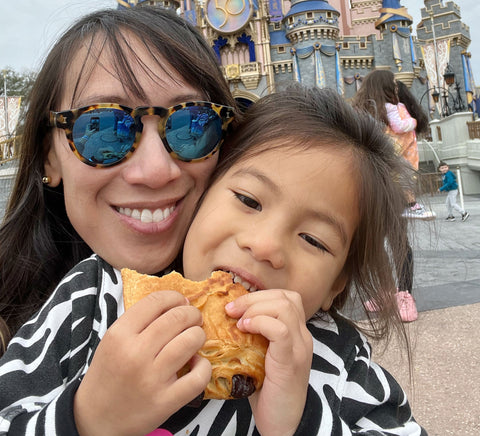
(45, 362)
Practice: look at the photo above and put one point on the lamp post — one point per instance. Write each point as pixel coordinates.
(436, 55)
(435, 95)
(449, 77)
(5, 103)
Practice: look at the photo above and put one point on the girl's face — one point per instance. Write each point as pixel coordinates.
(282, 219)
(134, 214)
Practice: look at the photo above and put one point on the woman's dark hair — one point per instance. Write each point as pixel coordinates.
(38, 245)
(378, 88)
(302, 118)
(413, 107)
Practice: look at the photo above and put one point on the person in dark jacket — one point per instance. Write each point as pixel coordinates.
(450, 186)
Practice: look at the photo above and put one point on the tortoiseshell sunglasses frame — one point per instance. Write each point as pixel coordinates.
(66, 119)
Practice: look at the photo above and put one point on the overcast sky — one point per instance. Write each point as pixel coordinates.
(29, 27)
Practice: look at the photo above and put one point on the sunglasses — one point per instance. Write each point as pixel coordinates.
(105, 134)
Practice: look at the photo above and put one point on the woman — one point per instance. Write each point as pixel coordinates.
(131, 202)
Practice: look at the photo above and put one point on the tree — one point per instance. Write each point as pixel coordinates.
(18, 84)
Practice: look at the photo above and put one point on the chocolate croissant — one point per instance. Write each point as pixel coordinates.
(237, 358)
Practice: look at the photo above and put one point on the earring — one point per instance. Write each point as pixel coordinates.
(46, 180)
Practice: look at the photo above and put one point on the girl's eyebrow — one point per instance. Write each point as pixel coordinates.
(253, 172)
(319, 215)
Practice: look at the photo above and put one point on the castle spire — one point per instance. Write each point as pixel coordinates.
(392, 10)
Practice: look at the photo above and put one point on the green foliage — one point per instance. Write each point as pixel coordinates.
(18, 84)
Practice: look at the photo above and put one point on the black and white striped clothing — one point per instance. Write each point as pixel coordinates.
(46, 360)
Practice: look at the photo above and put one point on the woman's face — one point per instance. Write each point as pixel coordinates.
(134, 214)
(282, 219)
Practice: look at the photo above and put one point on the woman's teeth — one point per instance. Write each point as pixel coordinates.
(248, 286)
(146, 215)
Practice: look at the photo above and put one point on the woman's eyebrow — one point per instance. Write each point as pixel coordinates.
(123, 100)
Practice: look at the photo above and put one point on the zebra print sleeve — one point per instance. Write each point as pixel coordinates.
(45, 361)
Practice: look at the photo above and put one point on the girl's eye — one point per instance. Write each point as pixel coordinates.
(312, 241)
(248, 201)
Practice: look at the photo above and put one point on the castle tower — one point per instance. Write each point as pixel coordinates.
(398, 52)
(445, 40)
(312, 27)
(363, 17)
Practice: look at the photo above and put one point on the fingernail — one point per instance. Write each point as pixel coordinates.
(230, 305)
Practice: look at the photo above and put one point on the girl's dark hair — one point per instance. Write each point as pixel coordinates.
(413, 107)
(38, 245)
(378, 87)
(301, 118)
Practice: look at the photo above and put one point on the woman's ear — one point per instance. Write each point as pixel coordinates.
(337, 288)
(52, 168)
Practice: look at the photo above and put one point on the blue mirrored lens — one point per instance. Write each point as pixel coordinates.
(104, 135)
(193, 132)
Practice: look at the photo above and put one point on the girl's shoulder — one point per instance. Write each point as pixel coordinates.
(338, 334)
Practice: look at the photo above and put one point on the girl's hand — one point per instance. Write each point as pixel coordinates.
(279, 316)
(131, 386)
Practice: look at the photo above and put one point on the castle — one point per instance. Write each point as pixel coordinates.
(264, 44)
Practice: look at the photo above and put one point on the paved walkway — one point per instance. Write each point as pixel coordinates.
(445, 392)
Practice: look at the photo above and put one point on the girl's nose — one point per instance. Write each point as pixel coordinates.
(264, 244)
(151, 164)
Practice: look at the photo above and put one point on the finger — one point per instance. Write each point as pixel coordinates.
(191, 385)
(169, 325)
(238, 307)
(181, 349)
(142, 313)
(282, 309)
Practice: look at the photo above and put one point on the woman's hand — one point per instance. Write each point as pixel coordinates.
(131, 386)
(279, 316)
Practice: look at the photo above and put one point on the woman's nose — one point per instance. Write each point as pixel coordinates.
(151, 164)
(264, 244)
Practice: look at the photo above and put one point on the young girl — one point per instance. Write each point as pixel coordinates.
(379, 95)
(298, 210)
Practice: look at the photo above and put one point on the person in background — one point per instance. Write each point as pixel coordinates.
(322, 187)
(380, 96)
(450, 186)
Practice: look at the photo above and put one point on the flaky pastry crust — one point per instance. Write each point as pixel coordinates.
(237, 358)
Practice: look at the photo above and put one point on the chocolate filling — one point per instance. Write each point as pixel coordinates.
(242, 386)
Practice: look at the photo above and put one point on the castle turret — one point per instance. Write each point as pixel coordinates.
(312, 27)
(445, 39)
(394, 25)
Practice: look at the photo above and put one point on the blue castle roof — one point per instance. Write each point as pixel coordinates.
(309, 6)
(388, 15)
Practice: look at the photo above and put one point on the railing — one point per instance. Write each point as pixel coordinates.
(428, 183)
(474, 129)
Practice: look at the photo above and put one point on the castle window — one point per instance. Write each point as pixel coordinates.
(329, 14)
(167, 4)
(345, 45)
(363, 44)
(277, 26)
(281, 49)
(290, 20)
(309, 15)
